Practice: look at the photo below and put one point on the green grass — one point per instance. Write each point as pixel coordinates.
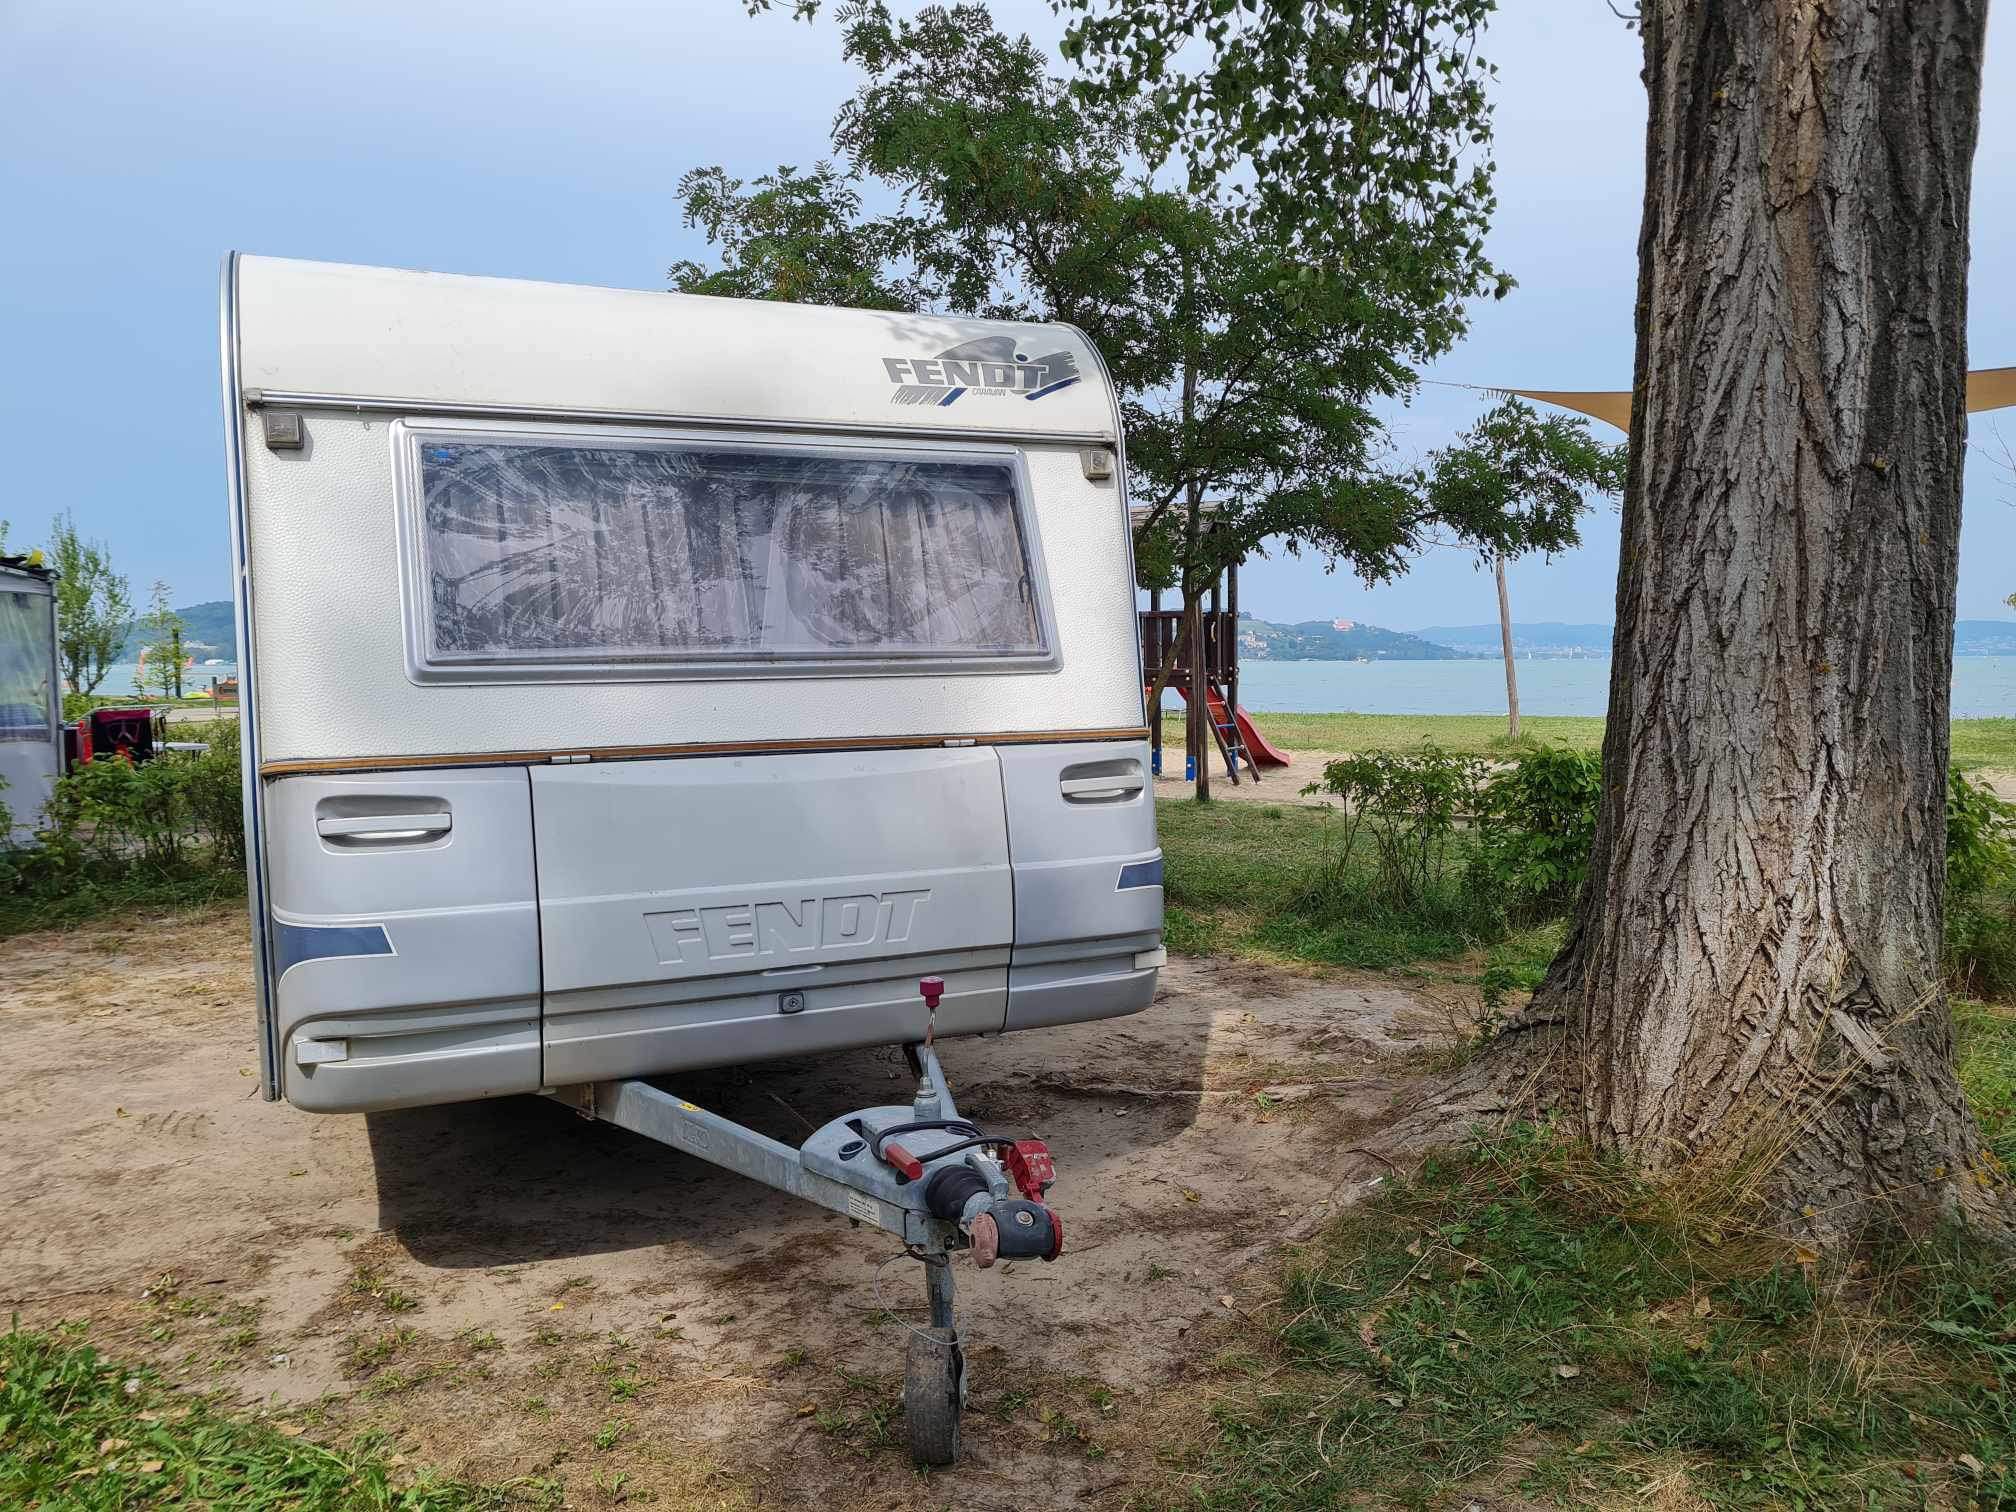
(1985, 1047)
(1264, 880)
(1522, 1319)
(1473, 734)
(195, 886)
(81, 1432)
(1976, 742)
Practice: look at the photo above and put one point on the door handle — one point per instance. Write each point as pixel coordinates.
(364, 828)
(1093, 789)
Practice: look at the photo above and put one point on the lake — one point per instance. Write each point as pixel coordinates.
(119, 678)
(1984, 687)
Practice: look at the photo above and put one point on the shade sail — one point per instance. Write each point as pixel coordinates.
(1987, 389)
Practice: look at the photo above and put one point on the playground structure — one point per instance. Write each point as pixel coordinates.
(1172, 650)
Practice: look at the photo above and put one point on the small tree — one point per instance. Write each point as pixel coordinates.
(94, 606)
(161, 663)
(1514, 475)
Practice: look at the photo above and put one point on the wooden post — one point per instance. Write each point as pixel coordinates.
(1232, 663)
(1505, 637)
(1200, 714)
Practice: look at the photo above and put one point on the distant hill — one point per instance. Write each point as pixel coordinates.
(207, 630)
(1542, 637)
(1334, 640)
(1545, 638)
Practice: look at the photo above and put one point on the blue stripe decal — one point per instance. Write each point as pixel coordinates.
(1050, 388)
(295, 943)
(1141, 874)
(950, 397)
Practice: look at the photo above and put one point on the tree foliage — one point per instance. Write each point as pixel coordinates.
(1516, 477)
(94, 605)
(1354, 132)
(790, 236)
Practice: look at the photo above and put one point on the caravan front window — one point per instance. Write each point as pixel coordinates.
(543, 552)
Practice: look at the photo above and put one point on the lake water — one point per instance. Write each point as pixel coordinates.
(1984, 687)
(119, 678)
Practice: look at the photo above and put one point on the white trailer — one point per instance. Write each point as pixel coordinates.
(637, 682)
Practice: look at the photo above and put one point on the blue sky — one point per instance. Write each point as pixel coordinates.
(538, 141)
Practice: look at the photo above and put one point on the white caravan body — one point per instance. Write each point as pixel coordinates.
(634, 682)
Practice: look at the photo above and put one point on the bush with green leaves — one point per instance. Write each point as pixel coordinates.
(215, 797)
(1980, 838)
(1406, 807)
(1536, 821)
(1980, 890)
(117, 832)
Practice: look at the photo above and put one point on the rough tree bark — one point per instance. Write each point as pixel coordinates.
(1754, 971)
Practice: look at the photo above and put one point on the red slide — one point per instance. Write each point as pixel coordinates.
(1257, 746)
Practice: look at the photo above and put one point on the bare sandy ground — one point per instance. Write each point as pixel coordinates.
(1281, 785)
(513, 1292)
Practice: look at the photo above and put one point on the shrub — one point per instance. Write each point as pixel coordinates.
(1980, 890)
(120, 811)
(216, 802)
(1406, 807)
(1536, 820)
(114, 833)
(1980, 838)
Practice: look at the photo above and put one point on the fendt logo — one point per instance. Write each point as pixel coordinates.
(783, 929)
(985, 365)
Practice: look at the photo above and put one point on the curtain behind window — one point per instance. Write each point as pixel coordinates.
(669, 551)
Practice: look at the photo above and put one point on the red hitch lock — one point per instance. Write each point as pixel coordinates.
(1030, 1166)
(931, 989)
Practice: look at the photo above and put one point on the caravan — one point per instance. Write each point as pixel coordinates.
(638, 682)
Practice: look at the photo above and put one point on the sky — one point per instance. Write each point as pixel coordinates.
(526, 140)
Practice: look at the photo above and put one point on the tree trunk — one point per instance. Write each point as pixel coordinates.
(1196, 713)
(1754, 975)
(1505, 638)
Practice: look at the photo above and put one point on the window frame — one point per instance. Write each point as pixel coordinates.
(409, 436)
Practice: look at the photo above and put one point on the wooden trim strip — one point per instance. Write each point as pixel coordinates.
(313, 765)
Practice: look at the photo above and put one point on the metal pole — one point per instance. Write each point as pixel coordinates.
(938, 1287)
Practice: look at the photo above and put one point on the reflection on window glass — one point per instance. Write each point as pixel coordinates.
(26, 651)
(679, 551)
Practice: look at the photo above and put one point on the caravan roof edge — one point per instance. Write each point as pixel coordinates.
(343, 334)
(385, 404)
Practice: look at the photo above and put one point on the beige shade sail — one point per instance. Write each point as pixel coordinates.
(1987, 389)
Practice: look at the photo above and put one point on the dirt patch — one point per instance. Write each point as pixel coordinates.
(516, 1293)
(2003, 783)
(1282, 785)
